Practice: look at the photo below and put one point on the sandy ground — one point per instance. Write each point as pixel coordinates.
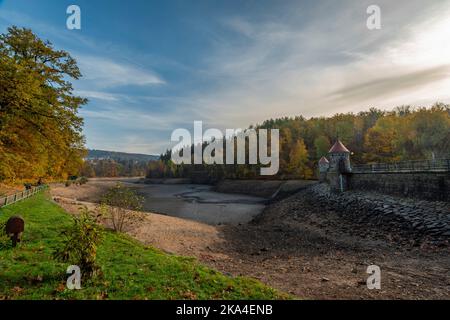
(312, 254)
(170, 234)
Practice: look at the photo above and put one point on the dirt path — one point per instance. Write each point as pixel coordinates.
(311, 254)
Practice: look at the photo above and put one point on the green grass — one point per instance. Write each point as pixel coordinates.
(130, 269)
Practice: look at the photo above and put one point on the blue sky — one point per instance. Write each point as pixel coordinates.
(153, 66)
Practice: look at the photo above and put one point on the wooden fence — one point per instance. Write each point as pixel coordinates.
(7, 200)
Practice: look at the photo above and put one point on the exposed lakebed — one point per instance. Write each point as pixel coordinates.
(200, 203)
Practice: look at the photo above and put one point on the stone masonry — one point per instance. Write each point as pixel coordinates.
(423, 218)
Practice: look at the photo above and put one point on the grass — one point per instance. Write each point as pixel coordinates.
(130, 270)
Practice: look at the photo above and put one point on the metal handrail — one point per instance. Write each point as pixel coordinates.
(441, 165)
(7, 200)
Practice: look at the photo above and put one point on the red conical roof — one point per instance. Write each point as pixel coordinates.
(338, 147)
(323, 160)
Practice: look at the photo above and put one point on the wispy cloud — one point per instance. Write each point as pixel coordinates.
(123, 116)
(330, 64)
(389, 85)
(98, 95)
(107, 73)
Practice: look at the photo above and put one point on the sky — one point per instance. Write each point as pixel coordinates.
(150, 67)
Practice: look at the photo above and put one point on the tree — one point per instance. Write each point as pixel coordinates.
(431, 131)
(117, 202)
(87, 170)
(40, 131)
(381, 141)
(322, 145)
(298, 161)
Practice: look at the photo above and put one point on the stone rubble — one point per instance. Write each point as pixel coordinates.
(422, 217)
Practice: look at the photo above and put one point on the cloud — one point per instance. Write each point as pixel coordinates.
(98, 95)
(132, 117)
(327, 63)
(107, 73)
(385, 86)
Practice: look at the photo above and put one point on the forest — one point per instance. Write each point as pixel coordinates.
(113, 168)
(373, 136)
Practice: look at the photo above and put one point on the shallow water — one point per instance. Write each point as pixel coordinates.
(200, 203)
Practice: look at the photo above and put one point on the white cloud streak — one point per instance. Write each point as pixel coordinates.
(332, 65)
(107, 73)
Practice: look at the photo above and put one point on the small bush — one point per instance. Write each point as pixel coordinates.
(82, 180)
(118, 201)
(5, 240)
(80, 244)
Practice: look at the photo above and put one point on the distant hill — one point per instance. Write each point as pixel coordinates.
(119, 156)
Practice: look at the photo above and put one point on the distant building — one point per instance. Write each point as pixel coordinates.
(324, 166)
(334, 170)
(339, 158)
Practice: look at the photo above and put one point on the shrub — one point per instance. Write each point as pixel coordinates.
(118, 201)
(82, 180)
(5, 240)
(80, 243)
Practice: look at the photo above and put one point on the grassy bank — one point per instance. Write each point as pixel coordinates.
(131, 270)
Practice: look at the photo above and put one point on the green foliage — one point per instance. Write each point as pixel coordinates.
(82, 180)
(322, 145)
(119, 201)
(80, 243)
(5, 240)
(40, 131)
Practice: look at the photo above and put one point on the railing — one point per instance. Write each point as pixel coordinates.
(437, 165)
(7, 200)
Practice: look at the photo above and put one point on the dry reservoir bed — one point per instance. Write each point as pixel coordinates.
(294, 246)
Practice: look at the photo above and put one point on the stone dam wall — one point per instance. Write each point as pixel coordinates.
(420, 218)
(270, 189)
(434, 186)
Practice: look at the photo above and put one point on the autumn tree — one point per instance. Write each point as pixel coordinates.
(298, 160)
(381, 141)
(322, 145)
(87, 170)
(40, 130)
